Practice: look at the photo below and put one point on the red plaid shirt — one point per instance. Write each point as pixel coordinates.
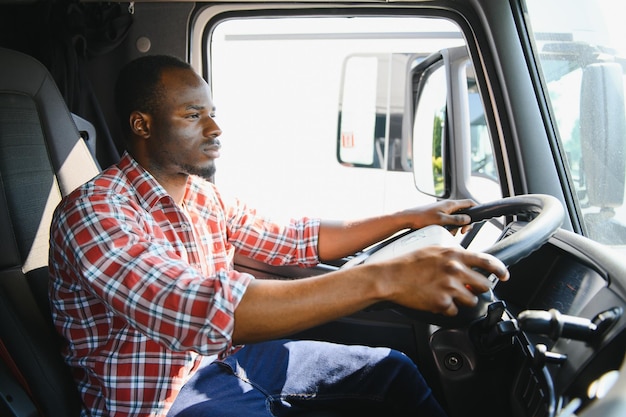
(142, 289)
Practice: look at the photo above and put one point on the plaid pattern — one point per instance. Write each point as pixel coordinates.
(142, 289)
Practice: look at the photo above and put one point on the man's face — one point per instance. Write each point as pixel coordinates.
(183, 137)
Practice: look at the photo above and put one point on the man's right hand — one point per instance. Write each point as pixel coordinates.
(439, 279)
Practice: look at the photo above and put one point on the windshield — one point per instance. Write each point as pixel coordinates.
(580, 49)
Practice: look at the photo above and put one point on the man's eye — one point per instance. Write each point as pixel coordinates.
(194, 116)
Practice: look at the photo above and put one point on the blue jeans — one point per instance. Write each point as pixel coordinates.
(284, 378)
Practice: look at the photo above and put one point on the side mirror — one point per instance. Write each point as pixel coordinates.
(451, 148)
(429, 128)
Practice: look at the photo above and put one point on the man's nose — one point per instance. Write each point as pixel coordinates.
(211, 128)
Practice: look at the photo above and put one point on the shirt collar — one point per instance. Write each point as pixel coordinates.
(148, 190)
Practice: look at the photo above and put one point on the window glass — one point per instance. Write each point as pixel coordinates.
(581, 55)
(483, 163)
(484, 182)
(278, 87)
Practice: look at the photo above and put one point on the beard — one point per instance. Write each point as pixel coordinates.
(207, 172)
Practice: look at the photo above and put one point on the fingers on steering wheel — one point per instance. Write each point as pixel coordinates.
(491, 265)
(466, 296)
(452, 310)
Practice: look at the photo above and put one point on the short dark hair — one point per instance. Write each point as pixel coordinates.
(138, 86)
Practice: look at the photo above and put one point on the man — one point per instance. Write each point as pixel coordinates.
(143, 289)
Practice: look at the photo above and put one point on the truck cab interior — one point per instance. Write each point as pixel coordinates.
(550, 342)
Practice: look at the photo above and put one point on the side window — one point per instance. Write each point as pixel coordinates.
(483, 163)
(484, 183)
(312, 110)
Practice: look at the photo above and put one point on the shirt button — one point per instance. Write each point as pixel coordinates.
(184, 226)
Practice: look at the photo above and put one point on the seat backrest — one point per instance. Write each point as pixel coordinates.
(42, 158)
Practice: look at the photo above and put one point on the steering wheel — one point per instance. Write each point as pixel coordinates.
(544, 215)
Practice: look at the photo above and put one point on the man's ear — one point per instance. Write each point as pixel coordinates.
(140, 123)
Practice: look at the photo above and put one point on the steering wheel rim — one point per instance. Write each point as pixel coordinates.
(546, 215)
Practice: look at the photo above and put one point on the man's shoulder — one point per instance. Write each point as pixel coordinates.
(107, 184)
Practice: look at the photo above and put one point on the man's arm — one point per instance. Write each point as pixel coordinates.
(339, 239)
(435, 279)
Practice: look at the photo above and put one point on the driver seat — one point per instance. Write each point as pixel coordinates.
(42, 159)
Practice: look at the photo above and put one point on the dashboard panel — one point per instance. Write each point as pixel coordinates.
(560, 277)
(540, 370)
(551, 278)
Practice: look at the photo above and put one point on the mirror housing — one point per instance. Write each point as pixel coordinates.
(450, 143)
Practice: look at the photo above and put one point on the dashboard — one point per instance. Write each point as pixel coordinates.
(553, 333)
(551, 279)
(560, 279)
(561, 336)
